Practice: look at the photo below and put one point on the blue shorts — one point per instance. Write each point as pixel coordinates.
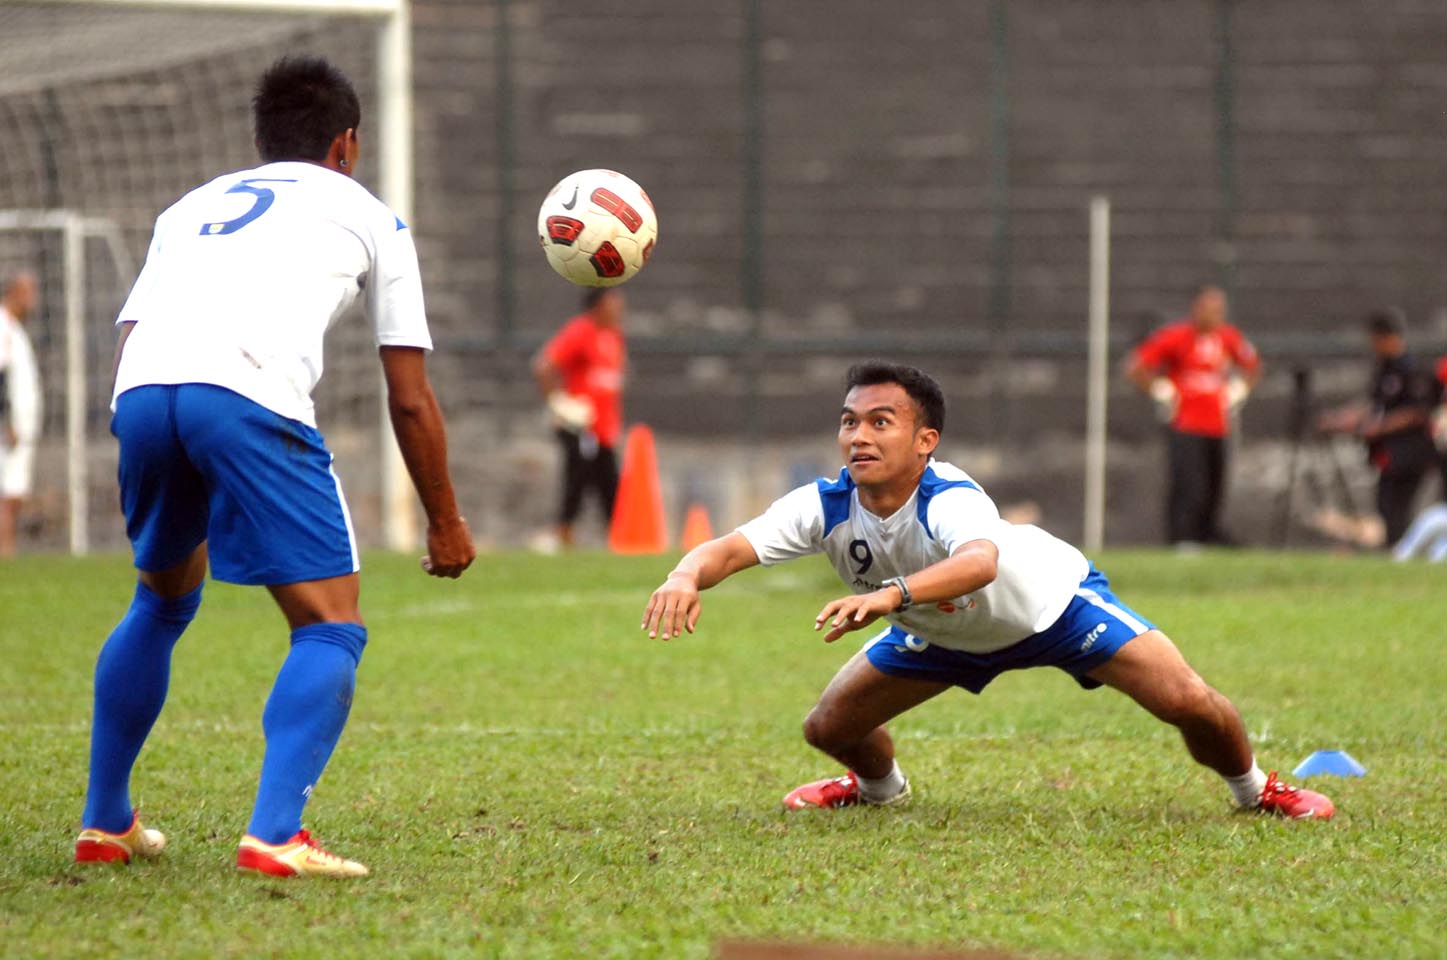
(1090, 631)
(201, 463)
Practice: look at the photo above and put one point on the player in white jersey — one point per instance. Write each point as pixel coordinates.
(21, 405)
(220, 459)
(967, 595)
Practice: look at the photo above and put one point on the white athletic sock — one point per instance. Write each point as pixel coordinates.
(1245, 788)
(886, 787)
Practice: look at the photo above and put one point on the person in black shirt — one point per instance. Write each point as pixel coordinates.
(1395, 422)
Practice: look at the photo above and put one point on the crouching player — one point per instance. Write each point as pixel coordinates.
(967, 596)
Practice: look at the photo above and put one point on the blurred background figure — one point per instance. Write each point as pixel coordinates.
(1395, 422)
(20, 405)
(1198, 370)
(580, 373)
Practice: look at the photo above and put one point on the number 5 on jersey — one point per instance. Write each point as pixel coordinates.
(264, 199)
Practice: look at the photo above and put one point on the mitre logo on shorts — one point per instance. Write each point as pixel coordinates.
(1092, 636)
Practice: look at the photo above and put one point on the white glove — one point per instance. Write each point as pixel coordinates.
(1163, 392)
(570, 412)
(1237, 390)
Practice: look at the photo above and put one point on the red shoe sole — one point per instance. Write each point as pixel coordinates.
(248, 859)
(96, 851)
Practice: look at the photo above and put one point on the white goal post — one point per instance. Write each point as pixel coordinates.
(1098, 375)
(393, 83)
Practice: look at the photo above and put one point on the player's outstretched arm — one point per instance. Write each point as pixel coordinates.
(674, 607)
(970, 568)
(417, 422)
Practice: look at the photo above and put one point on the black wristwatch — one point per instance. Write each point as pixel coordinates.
(905, 598)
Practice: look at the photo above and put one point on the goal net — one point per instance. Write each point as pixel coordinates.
(109, 111)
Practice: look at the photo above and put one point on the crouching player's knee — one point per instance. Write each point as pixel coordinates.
(823, 732)
(1187, 701)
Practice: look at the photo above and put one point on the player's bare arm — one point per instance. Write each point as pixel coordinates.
(417, 423)
(1406, 418)
(1142, 374)
(1344, 419)
(971, 567)
(674, 607)
(545, 372)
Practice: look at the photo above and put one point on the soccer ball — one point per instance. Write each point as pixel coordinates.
(597, 228)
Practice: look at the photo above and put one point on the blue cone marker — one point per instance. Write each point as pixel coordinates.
(1335, 763)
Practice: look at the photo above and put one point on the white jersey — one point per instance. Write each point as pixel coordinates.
(21, 375)
(246, 274)
(1037, 576)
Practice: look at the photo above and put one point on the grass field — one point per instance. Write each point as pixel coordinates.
(529, 776)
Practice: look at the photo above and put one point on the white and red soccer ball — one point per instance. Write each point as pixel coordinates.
(597, 228)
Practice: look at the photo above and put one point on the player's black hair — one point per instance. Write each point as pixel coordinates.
(1386, 322)
(592, 295)
(929, 399)
(301, 104)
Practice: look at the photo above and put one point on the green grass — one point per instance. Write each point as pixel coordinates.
(529, 776)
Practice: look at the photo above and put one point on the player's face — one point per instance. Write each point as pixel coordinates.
(878, 436)
(21, 295)
(1209, 308)
(609, 308)
(1388, 345)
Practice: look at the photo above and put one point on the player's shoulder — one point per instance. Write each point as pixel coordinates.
(1232, 332)
(199, 193)
(830, 497)
(940, 475)
(946, 490)
(1182, 330)
(578, 325)
(345, 191)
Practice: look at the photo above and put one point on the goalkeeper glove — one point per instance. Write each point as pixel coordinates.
(570, 412)
(1163, 392)
(1237, 390)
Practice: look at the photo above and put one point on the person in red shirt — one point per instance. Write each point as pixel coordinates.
(1190, 369)
(580, 372)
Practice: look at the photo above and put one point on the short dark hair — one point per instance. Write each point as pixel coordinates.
(1386, 322)
(592, 295)
(301, 105)
(929, 399)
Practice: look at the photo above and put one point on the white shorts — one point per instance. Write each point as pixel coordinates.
(17, 470)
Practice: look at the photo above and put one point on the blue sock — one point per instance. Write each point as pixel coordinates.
(303, 720)
(131, 677)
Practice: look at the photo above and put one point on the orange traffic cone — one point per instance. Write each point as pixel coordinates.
(638, 525)
(696, 528)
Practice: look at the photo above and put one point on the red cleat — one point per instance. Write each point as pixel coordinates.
(835, 793)
(825, 794)
(1284, 800)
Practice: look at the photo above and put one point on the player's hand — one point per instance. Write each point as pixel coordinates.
(449, 549)
(673, 608)
(855, 612)
(1167, 400)
(12, 439)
